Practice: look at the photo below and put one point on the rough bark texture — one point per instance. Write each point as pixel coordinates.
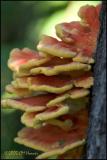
(96, 140)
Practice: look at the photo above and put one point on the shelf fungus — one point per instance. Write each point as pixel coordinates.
(52, 139)
(82, 34)
(49, 115)
(25, 59)
(52, 87)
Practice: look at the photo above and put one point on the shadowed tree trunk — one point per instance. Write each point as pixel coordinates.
(96, 141)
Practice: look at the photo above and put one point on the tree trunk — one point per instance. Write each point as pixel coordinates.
(96, 140)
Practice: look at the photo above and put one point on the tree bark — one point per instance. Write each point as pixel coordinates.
(96, 140)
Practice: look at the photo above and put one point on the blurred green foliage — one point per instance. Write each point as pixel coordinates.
(22, 23)
(18, 18)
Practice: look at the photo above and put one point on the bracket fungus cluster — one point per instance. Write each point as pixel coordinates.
(51, 87)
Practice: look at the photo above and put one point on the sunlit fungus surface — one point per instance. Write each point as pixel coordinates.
(51, 86)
